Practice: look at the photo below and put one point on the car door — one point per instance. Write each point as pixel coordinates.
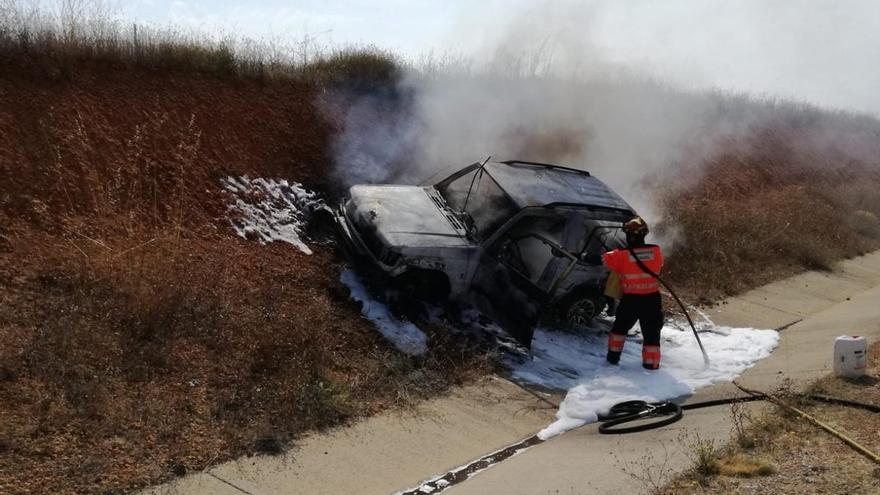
(510, 284)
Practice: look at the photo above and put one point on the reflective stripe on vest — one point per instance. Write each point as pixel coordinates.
(634, 280)
(640, 283)
(643, 255)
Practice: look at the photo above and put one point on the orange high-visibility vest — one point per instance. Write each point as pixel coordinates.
(634, 280)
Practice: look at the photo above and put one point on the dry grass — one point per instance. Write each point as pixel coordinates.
(774, 202)
(138, 149)
(744, 466)
(703, 454)
(57, 43)
(140, 361)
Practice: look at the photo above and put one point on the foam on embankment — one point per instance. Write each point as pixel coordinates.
(271, 210)
(407, 337)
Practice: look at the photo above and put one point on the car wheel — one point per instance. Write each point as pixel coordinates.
(580, 310)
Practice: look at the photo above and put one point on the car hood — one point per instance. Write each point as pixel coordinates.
(405, 216)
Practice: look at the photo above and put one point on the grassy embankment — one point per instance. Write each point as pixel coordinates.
(796, 192)
(140, 339)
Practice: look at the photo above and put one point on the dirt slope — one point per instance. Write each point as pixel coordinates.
(63, 138)
(140, 338)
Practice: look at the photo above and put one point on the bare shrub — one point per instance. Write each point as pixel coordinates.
(651, 472)
(359, 69)
(703, 454)
(743, 426)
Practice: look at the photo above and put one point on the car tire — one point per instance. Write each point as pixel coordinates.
(579, 309)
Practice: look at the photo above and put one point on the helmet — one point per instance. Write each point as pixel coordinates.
(636, 226)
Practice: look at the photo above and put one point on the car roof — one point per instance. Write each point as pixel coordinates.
(540, 184)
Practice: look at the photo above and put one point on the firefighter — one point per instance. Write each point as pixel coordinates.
(641, 294)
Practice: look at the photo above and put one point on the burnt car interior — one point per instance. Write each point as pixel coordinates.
(479, 200)
(544, 247)
(545, 244)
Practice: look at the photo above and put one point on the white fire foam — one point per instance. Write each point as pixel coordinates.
(271, 210)
(577, 363)
(407, 337)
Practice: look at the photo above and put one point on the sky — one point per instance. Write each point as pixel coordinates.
(818, 51)
(408, 27)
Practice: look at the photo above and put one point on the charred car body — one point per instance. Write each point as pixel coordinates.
(519, 240)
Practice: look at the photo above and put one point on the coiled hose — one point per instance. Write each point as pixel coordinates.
(670, 412)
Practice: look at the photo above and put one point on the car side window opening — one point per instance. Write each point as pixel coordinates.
(522, 250)
(601, 236)
(488, 206)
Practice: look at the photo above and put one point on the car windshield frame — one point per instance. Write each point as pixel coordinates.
(486, 213)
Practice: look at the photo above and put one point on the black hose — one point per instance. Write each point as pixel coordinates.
(721, 402)
(636, 410)
(670, 412)
(848, 403)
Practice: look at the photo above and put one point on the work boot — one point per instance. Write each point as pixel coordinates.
(651, 357)
(613, 357)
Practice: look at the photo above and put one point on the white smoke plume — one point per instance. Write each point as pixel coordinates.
(540, 88)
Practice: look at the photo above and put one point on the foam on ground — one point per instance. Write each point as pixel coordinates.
(407, 337)
(577, 363)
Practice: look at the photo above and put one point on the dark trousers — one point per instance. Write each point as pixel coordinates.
(646, 309)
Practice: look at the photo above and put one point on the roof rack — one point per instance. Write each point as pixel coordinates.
(547, 165)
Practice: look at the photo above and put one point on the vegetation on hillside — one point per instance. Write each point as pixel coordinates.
(60, 42)
(797, 192)
(139, 339)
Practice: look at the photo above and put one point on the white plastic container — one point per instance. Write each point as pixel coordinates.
(850, 356)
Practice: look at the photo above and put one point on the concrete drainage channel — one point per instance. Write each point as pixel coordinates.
(645, 412)
(460, 474)
(641, 415)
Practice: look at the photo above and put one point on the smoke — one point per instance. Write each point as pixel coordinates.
(380, 133)
(541, 88)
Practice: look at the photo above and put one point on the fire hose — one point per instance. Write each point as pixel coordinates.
(670, 412)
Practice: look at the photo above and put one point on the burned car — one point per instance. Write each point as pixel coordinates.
(519, 240)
